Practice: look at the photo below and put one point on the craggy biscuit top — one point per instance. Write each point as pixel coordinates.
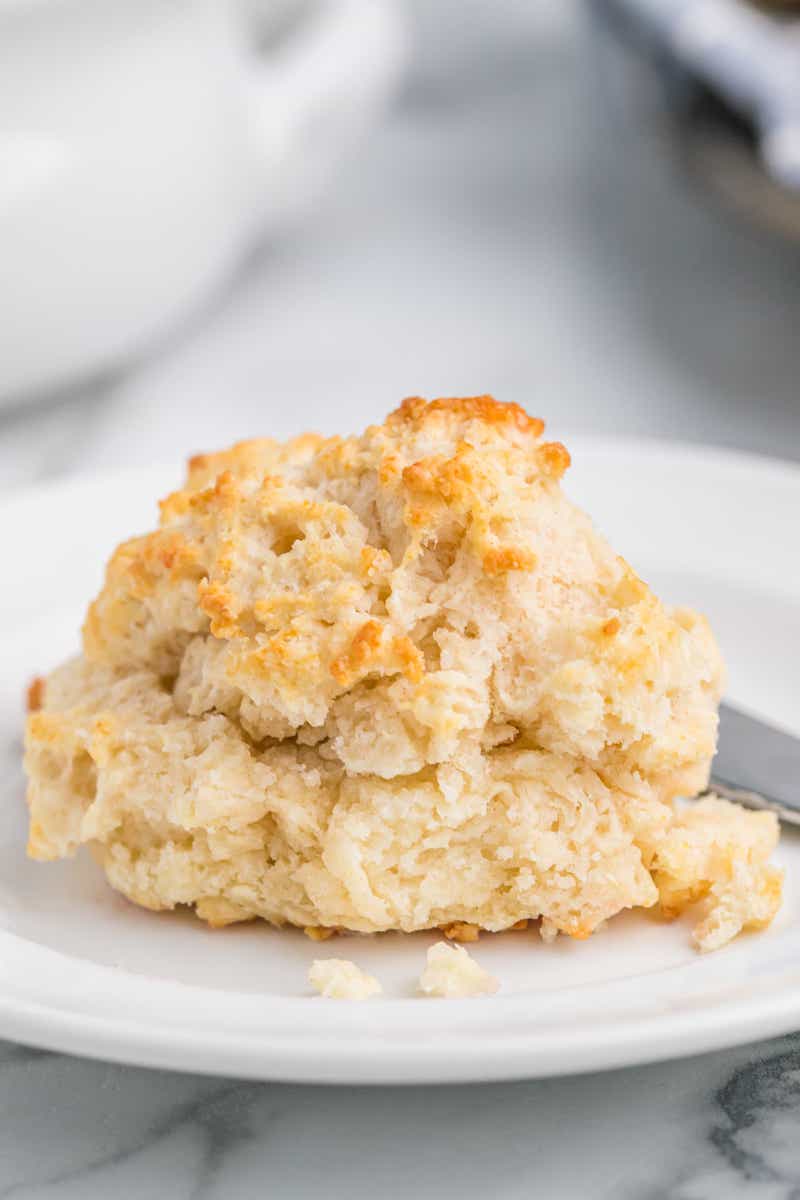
(422, 589)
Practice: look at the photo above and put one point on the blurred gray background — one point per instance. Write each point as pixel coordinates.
(507, 229)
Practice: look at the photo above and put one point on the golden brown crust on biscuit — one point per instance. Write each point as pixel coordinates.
(319, 933)
(554, 458)
(461, 931)
(34, 697)
(508, 558)
(415, 409)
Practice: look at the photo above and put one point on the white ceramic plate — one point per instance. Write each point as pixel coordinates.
(84, 971)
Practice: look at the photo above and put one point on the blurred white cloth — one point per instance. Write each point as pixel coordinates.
(750, 59)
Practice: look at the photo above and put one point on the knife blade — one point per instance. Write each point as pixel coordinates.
(757, 765)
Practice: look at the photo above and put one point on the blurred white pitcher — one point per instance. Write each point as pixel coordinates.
(144, 144)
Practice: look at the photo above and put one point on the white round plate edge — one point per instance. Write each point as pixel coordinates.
(457, 1057)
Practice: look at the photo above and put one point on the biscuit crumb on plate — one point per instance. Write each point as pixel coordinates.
(340, 979)
(450, 971)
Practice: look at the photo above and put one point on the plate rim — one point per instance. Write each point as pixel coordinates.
(429, 1059)
(303, 1062)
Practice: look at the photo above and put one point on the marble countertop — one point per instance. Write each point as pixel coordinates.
(502, 232)
(718, 1127)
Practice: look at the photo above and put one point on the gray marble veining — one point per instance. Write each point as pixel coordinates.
(500, 234)
(718, 1127)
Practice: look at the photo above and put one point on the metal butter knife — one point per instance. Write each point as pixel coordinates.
(757, 765)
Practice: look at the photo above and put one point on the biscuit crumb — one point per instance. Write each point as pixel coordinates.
(340, 979)
(548, 930)
(461, 931)
(451, 972)
(717, 852)
(320, 933)
(218, 912)
(747, 901)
